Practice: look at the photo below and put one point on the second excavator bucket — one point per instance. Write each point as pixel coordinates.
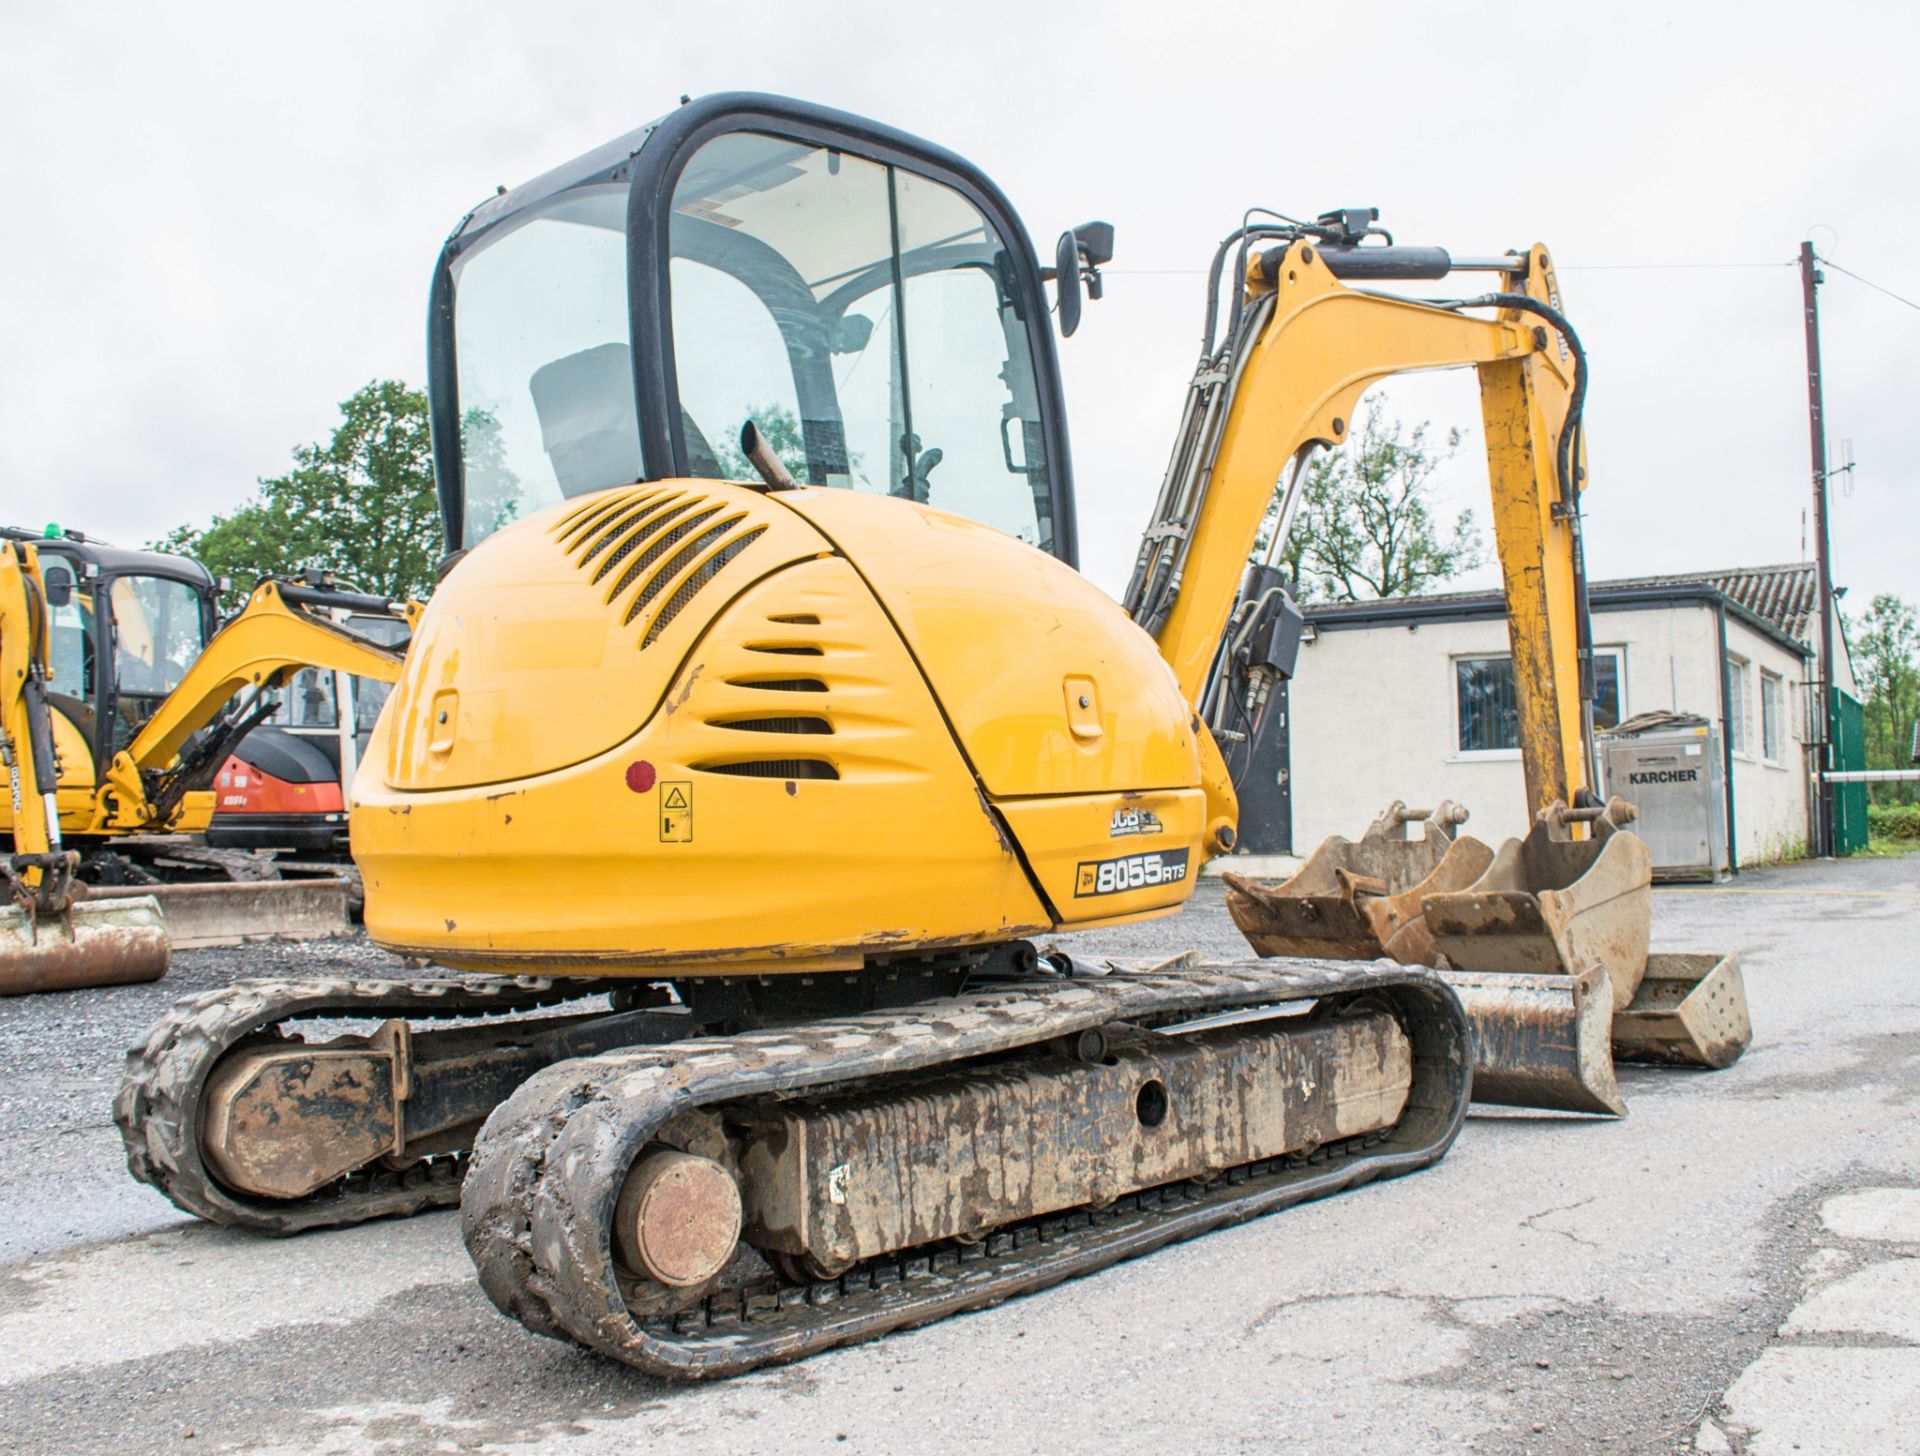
(1361, 900)
(1551, 904)
(1690, 1011)
(90, 943)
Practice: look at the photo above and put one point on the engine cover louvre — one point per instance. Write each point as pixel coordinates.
(558, 636)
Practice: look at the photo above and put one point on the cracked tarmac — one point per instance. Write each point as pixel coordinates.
(1731, 1265)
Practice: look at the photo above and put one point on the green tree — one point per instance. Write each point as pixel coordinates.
(1886, 655)
(1365, 525)
(362, 506)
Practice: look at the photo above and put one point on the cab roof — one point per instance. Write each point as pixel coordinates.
(115, 560)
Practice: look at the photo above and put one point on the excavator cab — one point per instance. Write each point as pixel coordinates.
(869, 303)
(123, 629)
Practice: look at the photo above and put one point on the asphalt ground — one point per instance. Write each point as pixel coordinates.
(1556, 1284)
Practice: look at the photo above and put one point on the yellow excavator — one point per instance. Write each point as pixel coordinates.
(762, 699)
(120, 696)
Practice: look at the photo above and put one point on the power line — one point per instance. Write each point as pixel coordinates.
(1829, 263)
(1658, 267)
(1562, 267)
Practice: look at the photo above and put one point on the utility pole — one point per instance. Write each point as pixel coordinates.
(1810, 280)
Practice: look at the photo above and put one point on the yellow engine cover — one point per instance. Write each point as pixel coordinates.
(690, 727)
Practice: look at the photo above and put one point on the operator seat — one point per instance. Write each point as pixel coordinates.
(588, 426)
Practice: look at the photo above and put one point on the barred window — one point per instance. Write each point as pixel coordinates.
(1489, 711)
(1489, 714)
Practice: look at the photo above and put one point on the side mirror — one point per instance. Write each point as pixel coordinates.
(59, 586)
(1066, 282)
(1078, 257)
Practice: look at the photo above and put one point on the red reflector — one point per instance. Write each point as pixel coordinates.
(640, 776)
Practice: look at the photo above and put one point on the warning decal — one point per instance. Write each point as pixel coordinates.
(676, 812)
(1131, 872)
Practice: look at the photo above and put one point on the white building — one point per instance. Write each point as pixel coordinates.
(1412, 699)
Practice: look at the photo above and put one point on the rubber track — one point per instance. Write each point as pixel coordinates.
(158, 1105)
(548, 1166)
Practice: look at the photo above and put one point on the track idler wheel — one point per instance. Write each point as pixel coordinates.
(678, 1218)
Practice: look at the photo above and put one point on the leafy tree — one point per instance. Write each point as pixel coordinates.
(492, 488)
(1365, 526)
(362, 506)
(1886, 654)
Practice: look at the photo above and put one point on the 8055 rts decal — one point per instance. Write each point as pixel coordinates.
(1129, 872)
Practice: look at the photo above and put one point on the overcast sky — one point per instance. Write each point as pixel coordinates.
(220, 220)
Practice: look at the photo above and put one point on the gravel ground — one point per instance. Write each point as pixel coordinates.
(1555, 1285)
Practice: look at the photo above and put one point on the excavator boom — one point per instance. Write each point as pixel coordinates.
(1307, 347)
(1547, 940)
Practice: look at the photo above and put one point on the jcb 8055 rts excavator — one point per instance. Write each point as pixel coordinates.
(122, 695)
(762, 694)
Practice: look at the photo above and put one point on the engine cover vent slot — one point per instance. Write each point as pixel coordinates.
(775, 725)
(633, 531)
(780, 684)
(661, 544)
(774, 768)
(785, 649)
(706, 572)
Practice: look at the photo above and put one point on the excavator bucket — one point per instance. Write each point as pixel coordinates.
(91, 943)
(1547, 947)
(1554, 905)
(1541, 1040)
(1690, 1011)
(1361, 900)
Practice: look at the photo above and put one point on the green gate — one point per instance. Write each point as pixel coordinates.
(1847, 724)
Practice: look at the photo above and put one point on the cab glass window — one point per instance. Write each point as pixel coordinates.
(545, 370)
(864, 318)
(158, 633)
(71, 638)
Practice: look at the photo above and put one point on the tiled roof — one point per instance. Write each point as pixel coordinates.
(1781, 596)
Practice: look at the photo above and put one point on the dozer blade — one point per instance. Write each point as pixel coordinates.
(1359, 900)
(94, 943)
(232, 913)
(1691, 1010)
(1541, 1040)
